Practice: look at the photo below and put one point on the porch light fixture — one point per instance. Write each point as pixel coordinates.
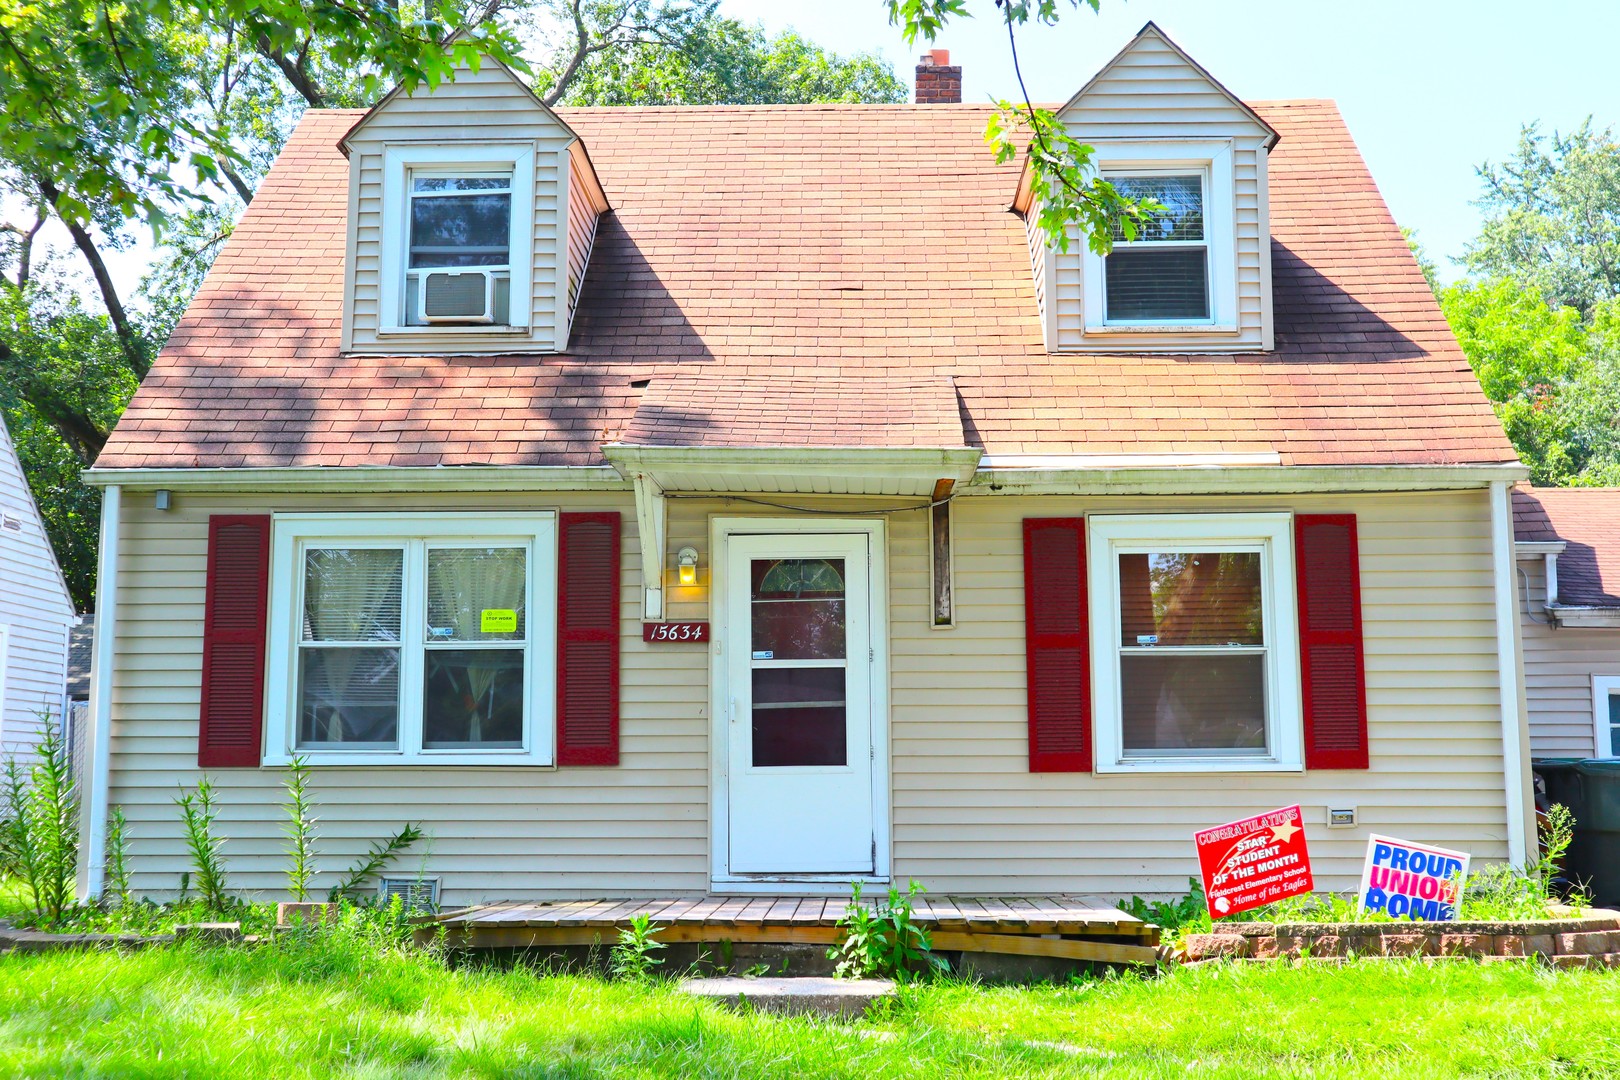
(160, 499)
(686, 565)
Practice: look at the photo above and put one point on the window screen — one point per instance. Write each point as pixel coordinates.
(1163, 274)
(1192, 653)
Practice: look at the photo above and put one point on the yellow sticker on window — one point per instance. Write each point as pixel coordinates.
(497, 621)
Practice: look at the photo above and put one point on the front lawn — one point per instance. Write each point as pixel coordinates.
(299, 1009)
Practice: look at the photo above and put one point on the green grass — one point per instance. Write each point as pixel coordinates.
(352, 1006)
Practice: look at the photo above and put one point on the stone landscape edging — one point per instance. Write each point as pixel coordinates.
(1588, 939)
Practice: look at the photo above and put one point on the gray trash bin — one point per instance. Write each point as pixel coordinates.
(1591, 790)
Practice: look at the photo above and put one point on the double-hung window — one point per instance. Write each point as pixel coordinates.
(411, 639)
(1195, 649)
(459, 253)
(1178, 273)
(1162, 274)
(458, 244)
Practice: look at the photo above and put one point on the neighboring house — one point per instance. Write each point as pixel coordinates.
(35, 613)
(1013, 566)
(1568, 546)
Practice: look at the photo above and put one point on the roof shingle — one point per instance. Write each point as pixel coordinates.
(788, 245)
(1588, 521)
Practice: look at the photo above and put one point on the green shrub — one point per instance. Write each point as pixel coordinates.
(1188, 914)
(884, 941)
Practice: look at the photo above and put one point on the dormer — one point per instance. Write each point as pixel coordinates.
(472, 212)
(1198, 279)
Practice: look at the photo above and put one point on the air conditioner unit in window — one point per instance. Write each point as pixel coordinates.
(461, 296)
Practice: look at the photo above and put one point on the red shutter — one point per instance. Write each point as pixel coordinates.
(1333, 680)
(232, 718)
(588, 640)
(1057, 644)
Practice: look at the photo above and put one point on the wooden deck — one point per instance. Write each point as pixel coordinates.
(1056, 926)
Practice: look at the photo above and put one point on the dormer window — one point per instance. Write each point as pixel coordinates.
(1177, 280)
(458, 239)
(1163, 274)
(459, 261)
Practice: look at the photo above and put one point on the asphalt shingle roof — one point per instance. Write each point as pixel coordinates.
(839, 249)
(1588, 521)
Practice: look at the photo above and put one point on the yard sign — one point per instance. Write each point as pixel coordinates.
(1257, 861)
(1412, 881)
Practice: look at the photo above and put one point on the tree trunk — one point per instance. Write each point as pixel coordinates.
(77, 430)
(134, 353)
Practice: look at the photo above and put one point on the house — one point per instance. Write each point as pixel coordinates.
(35, 613)
(1567, 541)
(662, 501)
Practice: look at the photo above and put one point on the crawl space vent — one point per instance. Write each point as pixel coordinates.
(415, 893)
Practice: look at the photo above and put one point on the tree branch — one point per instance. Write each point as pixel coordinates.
(582, 49)
(25, 247)
(243, 190)
(294, 72)
(134, 354)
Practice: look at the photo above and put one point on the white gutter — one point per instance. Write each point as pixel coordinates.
(99, 730)
(1515, 733)
(1597, 618)
(365, 478)
(1201, 474)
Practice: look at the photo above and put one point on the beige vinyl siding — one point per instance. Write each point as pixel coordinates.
(1150, 92)
(967, 814)
(1038, 259)
(582, 217)
(483, 107)
(638, 828)
(35, 612)
(1150, 88)
(1558, 667)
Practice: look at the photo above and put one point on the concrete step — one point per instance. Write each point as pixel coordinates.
(841, 998)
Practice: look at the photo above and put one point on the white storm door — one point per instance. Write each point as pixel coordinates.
(799, 667)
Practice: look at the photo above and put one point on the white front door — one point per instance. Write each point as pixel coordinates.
(799, 663)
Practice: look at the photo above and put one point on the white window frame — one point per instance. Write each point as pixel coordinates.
(398, 164)
(1603, 687)
(1269, 534)
(1213, 162)
(293, 534)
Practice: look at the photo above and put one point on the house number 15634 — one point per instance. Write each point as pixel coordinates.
(675, 631)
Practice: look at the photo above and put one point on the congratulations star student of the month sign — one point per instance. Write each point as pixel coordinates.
(1257, 861)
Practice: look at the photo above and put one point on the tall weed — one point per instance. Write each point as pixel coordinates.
(198, 812)
(884, 940)
(116, 878)
(635, 957)
(40, 833)
(300, 830)
(381, 854)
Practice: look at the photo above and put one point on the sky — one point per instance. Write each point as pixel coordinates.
(1430, 88)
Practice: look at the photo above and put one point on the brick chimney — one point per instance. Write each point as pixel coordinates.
(937, 81)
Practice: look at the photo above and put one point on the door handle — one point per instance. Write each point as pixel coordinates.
(733, 710)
